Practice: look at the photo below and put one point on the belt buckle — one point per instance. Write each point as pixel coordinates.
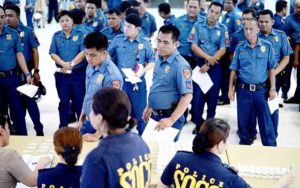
(252, 87)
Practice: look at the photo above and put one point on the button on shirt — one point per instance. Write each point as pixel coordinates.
(106, 74)
(280, 44)
(148, 24)
(67, 48)
(252, 64)
(185, 26)
(232, 22)
(209, 39)
(10, 46)
(171, 79)
(293, 27)
(110, 33)
(125, 53)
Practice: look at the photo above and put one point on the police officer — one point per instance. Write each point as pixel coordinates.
(233, 22)
(209, 41)
(172, 88)
(67, 51)
(78, 16)
(164, 11)
(79, 4)
(203, 7)
(30, 43)
(10, 54)
(252, 63)
(114, 25)
(101, 72)
(282, 51)
(91, 16)
(131, 50)
(281, 12)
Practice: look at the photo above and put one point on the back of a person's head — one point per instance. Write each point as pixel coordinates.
(68, 143)
(280, 5)
(96, 40)
(211, 133)
(124, 5)
(165, 8)
(131, 11)
(78, 16)
(13, 7)
(115, 108)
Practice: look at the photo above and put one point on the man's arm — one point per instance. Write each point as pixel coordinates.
(282, 64)
(35, 54)
(272, 92)
(231, 85)
(22, 64)
(296, 55)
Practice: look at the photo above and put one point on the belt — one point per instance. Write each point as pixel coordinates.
(162, 112)
(252, 87)
(5, 73)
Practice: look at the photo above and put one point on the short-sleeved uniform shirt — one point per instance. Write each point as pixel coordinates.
(188, 169)
(279, 23)
(95, 24)
(110, 33)
(120, 160)
(148, 24)
(106, 74)
(293, 27)
(232, 22)
(252, 64)
(170, 20)
(171, 79)
(10, 46)
(237, 38)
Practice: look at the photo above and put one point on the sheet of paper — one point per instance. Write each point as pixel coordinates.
(59, 70)
(28, 89)
(166, 135)
(273, 104)
(130, 76)
(202, 79)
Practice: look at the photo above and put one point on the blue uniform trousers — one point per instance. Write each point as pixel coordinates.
(29, 15)
(249, 102)
(138, 102)
(211, 97)
(225, 63)
(8, 85)
(177, 125)
(70, 87)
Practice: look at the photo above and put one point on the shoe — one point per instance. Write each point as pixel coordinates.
(284, 96)
(223, 102)
(292, 100)
(253, 139)
(280, 105)
(195, 131)
(40, 133)
(72, 118)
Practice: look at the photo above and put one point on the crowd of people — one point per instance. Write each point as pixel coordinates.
(249, 55)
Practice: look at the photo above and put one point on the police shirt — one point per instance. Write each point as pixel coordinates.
(185, 26)
(279, 23)
(110, 33)
(84, 29)
(148, 24)
(120, 160)
(237, 38)
(293, 27)
(188, 169)
(10, 46)
(95, 24)
(232, 21)
(62, 175)
(127, 54)
(252, 64)
(171, 79)
(170, 20)
(106, 74)
(67, 48)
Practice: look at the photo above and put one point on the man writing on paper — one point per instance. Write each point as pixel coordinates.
(171, 91)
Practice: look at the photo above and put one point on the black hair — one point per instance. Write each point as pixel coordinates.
(280, 5)
(97, 3)
(234, 2)
(64, 13)
(3, 119)
(199, 1)
(124, 5)
(266, 12)
(134, 19)
(250, 11)
(13, 7)
(78, 16)
(96, 40)
(171, 29)
(114, 10)
(115, 108)
(164, 7)
(216, 4)
(131, 11)
(211, 133)
(135, 3)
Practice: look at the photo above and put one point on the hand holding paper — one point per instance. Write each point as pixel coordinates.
(28, 90)
(131, 76)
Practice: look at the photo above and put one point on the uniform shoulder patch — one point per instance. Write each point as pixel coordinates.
(116, 84)
(187, 73)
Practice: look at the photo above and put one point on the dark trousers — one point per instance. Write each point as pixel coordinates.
(53, 11)
(29, 15)
(225, 63)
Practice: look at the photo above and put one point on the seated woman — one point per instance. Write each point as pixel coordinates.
(67, 144)
(122, 159)
(203, 167)
(12, 167)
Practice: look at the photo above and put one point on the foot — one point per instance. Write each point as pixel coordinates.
(280, 105)
(223, 102)
(284, 96)
(39, 133)
(195, 131)
(72, 118)
(291, 100)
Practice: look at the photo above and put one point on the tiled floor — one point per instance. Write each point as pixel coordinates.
(289, 124)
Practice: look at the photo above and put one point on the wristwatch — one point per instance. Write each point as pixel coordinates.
(37, 70)
(28, 74)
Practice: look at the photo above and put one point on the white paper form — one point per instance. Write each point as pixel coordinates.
(28, 89)
(202, 79)
(166, 135)
(273, 104)
(131, 76)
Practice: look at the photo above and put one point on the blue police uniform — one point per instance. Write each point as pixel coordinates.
(202, 13)
(170, 20)
(251, 66)
(279, 23)
(232, 21)
(106, 74)
(208, 167)
(120, 160)
(236, 38)
(29, 12)
(84, 29)
(172, 78)
(210, 40)
(101, 17)
(60, 176)
(148, 24)
(30, 41)
(113, 4)
(258, 6)
(70, 87)
(110, 33)
(9, 80)
(95, 24)
(127, 54)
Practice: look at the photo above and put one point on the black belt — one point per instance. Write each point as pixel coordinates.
(252, 87)
(163, 112)
(6, 73)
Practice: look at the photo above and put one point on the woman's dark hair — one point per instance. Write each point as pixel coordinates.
(3, 121)
(212, 132)
(114, 106)
(68, 143)
(64, 13)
